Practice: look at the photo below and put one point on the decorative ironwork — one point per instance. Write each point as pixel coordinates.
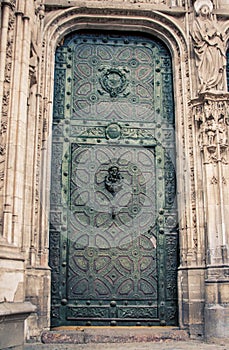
(113, 181)
(113, 81)
(113, 131)
(113, 204)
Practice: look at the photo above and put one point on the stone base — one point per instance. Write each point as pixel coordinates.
(196, 331)
(12, 317)
(216, 322)
(85, 335)
(38, 293)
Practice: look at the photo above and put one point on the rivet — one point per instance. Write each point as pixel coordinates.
(113, 303)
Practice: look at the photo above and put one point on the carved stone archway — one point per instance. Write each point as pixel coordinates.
(160, 25)
(30, 33)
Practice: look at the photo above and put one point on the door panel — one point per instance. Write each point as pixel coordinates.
(112, 201)
(113, 234)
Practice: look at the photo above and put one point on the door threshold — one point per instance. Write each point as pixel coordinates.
(81, 328)
(111, 334)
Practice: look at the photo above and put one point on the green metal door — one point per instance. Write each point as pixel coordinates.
(113, 217)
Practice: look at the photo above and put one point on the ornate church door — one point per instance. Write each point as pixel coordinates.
(113, 217)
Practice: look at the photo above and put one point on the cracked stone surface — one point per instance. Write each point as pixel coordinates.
(184, 345)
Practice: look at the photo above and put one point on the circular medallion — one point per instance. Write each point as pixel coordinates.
(113, 131)
(113, 81)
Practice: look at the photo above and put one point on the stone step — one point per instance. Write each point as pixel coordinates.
(166, 345)
(85, 335)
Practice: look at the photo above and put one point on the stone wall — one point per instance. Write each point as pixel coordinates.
(30, 32)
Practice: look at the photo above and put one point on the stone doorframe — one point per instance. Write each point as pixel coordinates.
(192, 270)
(167, 30)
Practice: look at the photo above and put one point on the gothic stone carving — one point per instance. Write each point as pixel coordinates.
(6, 97)
(212, 120)
(209, 48)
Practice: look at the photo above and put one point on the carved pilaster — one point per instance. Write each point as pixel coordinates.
(211, 113)
(31, 241)
(7, 44)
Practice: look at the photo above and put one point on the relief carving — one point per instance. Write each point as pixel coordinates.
(6, 97)
(214, 181)
(209, 48)
(34, 54)
(34, 60)
(213, 130)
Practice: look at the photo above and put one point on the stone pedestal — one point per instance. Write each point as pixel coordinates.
(191, 300)
(216, 322)
(217, 305)
(12, 317)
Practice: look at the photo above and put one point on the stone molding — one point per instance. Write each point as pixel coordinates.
(11, 309)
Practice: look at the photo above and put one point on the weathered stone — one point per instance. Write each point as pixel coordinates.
(86, 335)
(12, 317)
(216, 322)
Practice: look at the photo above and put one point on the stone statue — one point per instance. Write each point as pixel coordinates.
(222, 130)
(209, 49)
(210, 129)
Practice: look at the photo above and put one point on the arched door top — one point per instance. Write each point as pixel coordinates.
(113, 217)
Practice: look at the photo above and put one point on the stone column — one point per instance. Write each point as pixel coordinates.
(211, 113)
(14, 56)
(35, 226)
